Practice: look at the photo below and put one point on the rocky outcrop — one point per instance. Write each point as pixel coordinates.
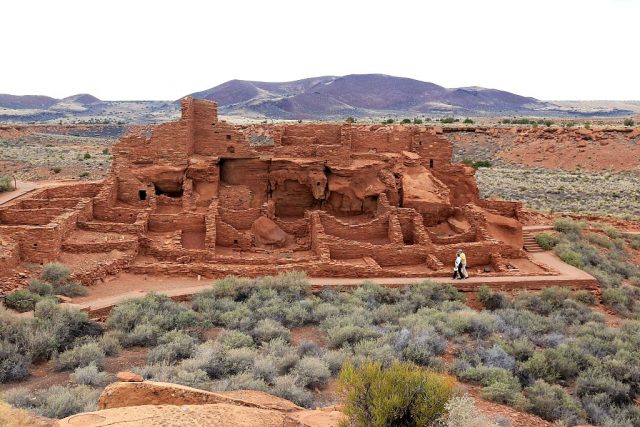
(150, 403)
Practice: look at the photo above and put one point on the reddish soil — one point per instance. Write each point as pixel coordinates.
(308, 333)
(44, 376)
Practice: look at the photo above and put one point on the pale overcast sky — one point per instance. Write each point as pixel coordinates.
(134, 49)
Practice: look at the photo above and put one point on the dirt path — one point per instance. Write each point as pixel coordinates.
(115, 289)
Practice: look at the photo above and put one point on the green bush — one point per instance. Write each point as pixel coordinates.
(476, 164)
(14, 364)
(83, 355)
(405, 121)
(172, 347)
(6, 184)
(467, 121)
(241, 381)
(628, 122)
(417, 121)
(55, 273)
(56, 169)
(419, 396)
(568, 255)
(55, 402)
(21, 300)
(312, 372)
(585, 297)
(267, 330)
(234, 339)
(286, 387)
(40, 288)
(449, 120)
(617, 298)
(553, 403)
(546, 241)
(553, 364)
(89, 375)
(567, 225)
(492, 300)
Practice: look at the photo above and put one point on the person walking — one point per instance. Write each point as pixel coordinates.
(456, 267)
(463, 265)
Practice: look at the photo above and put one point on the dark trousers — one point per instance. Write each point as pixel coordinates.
(458, 272)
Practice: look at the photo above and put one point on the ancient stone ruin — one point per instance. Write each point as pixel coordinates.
(201, 196)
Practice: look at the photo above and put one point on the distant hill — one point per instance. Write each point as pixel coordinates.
(362, 95)
(318, 98)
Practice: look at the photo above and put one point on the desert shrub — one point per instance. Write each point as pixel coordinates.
(553, 364)
(600, 240)
(338, 336)
(40, 288)
(477, 164)
(241, 381)
(467, 121)
(234, 339)
(55, 273)
(506, 392)
(373, 350)
(417, 121)
(568, 255)
(521, 349)
(286, 387)
(423, 346)
(497, 357)
(405, 121)
(264, 368)
(57, 328)
(546, 241)
(461, 411)
(567, 225)
(448, 120)
(335, 359)
(492, 300)
(419, 397)
(72, 289)
(267, 330)
(585, 297)
(595, 381)
(311, 372)
(143, 320)
(89, 375)
(110, 343)
(209, 357)
(239, 359)
(172, 347)
(178, 374)
(14, 364)
(56, 401)
(80, 356)
(628, 122)
(600, 411)
(618, 299)
(6, 183)
(552, 403)
(21, 300)
(309, 348)
(283, 354)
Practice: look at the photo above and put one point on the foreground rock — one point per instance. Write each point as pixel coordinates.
(148, 403)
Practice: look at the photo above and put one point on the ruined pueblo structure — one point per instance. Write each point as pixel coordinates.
(201, 196)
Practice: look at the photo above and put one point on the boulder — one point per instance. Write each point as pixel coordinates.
(268, 234)
(129, 377)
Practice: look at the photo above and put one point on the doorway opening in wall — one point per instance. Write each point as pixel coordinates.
(174, 191)
(142, 194)
(235, 241)
(431, 163)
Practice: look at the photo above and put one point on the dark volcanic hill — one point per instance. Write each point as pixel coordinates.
(361, 95)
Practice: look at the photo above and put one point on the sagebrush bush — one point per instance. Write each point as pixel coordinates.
(546, 241)
(553, 403)
(234, 339)
(55, 273)
(172, 347)
(311, 372)
(21, 300)
(335, 359)
(238, 360)
(268, 329)
(56, 401)
(89, 375)
(41, 288)
(492, 300)
(177, 374)
(6, 183)
(14, 364)
(264, 368)
(419, 397)
(286, 387)
(567, 225)
(83, 355)
(461, 411)
(241, 381)
(585, 297)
